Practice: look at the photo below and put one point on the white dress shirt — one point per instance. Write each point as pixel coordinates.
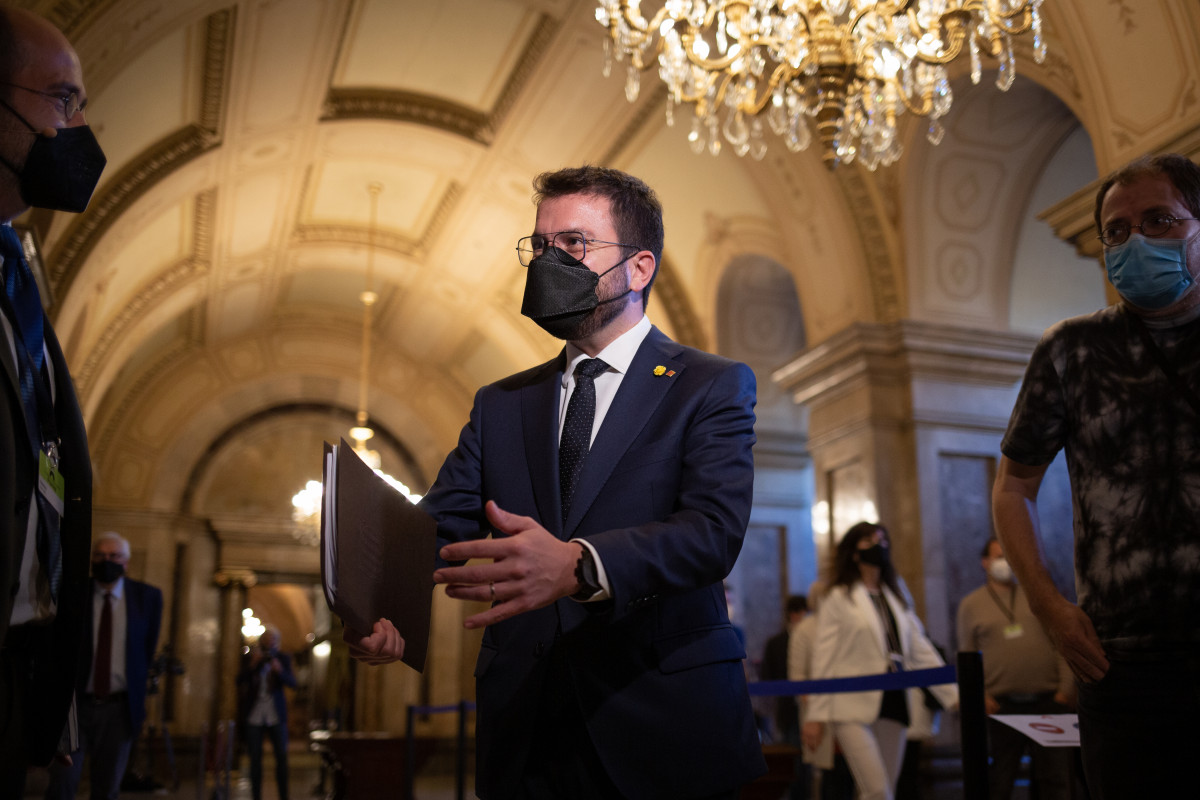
(618, 355)
(117, 680)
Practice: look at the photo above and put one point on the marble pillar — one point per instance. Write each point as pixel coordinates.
(905, 422)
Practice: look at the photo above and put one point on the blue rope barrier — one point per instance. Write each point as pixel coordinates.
(859, 683)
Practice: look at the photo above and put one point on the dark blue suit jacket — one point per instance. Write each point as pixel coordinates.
(664, 496)
(143, 617)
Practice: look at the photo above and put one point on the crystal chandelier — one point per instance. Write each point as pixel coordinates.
(848, 68)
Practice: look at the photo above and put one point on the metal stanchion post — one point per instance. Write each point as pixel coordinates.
(202, 763)
(460, 761)
(410, 755)
(972, 715)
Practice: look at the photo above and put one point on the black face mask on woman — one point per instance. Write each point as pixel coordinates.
(560, 290)
(61, 171)
(876, 555)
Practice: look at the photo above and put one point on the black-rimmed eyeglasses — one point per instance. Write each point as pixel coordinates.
(68, 102)
(1117, 233)
(573, 243)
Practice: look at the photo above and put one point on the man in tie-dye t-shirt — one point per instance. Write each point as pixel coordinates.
(1119, 391)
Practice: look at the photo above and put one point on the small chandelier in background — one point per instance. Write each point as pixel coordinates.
(306, 504)
(847, 67)
(361, 432)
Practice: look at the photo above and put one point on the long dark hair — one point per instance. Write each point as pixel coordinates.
(845, 566)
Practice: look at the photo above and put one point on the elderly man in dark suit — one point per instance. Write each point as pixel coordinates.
(615, 482)
(48, 159)
(111, 696)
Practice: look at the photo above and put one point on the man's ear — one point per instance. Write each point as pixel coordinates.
(643, 270)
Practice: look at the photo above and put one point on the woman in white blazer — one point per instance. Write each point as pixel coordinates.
(866, 626)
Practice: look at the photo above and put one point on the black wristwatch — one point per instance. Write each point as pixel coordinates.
(585, 573)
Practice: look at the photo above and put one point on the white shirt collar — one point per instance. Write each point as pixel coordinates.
(117, 590)
(619, 353)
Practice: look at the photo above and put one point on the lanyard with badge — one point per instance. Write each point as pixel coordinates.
(1013, 629)
(39, 422)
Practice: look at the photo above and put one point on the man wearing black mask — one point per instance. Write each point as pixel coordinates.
(111, 695)
(615, 483)
(48, 159)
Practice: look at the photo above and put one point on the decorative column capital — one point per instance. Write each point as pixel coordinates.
(235, 577)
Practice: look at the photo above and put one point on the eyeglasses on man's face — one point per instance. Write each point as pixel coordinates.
(1153, 226)
(573, 243)
(68, 103)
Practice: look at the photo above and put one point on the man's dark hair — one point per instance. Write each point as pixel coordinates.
(796, 604)
(636, 211)
(987, 547)
(1180, 170)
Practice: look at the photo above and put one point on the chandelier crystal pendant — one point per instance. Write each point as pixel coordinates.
(847, 68)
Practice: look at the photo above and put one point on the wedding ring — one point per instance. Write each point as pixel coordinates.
(492, 588)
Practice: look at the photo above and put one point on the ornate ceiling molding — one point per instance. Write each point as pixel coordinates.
(398, 106)
(669, 290)
(166, 283)
(355, 103)
(73, 16)
(383, 239)
(152, 166)
(238, 427)
(870, 224)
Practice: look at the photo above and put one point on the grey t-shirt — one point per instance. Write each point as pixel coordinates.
(1133, 453)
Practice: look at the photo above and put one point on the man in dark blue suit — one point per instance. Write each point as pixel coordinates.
(111, 694)
(615, 482)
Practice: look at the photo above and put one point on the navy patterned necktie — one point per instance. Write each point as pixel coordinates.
(26, 305)
(577, 428)
(27, 309)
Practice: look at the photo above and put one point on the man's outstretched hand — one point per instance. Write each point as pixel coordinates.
(530, 568)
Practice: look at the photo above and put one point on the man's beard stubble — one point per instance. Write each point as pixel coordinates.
(602, 314)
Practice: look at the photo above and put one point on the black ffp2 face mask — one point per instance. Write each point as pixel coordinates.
(61, 171)
(560, 290)
(107, 571)
(876, 555)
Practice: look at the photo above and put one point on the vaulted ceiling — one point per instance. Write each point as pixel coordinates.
(208, 300)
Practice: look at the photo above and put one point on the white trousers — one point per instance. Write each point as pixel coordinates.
(874, 754)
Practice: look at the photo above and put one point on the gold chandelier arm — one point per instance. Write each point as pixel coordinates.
(636, 21)
(954, 22)
(1004, 19)
(921, 110)
(845, 78)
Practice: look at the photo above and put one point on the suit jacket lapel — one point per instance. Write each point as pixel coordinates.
(539, 421)
(639, 396)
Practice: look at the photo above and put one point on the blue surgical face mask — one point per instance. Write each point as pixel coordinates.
(1150, 273)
